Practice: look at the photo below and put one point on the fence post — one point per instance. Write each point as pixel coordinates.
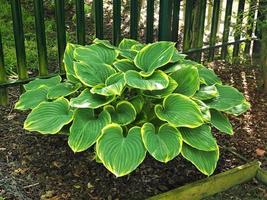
(134, 13)
(175, 19)
(3, 79)
(40, 36)
(165, 11)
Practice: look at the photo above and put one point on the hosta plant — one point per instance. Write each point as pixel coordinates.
(133, 100)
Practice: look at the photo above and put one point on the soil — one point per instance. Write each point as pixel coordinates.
(34, 166)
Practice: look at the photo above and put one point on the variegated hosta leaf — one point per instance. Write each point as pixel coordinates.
(114, 85)
(177, 56)
(124, 113)
(179, 111)
(200, 138)
(49, 117)
(127, 53)
(157, 81)
(36, 83)
(206, 92)
(86, 128)
(120, 153)
(105, 43)
(205, 110)
(154, 56)
(164, 144)
(106, 54)
(173, 67)
(221, 122)
(239, 109)
(88, 100)
(94, 73)
(205, 161)
(32, 98)
(138, 47)
(68, 63)
(127, 43)
(62, 90)
(86, 55)
(187, 79)
(228, 97)
(125, 65)
(163, 93)
(138, 103)
(207, 76)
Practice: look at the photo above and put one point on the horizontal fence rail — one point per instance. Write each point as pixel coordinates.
(194, 24)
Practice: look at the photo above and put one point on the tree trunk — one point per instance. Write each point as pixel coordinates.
(264, 56)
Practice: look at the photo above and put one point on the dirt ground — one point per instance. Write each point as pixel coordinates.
(34, 166)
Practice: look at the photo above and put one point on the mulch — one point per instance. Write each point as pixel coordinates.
(34, 166)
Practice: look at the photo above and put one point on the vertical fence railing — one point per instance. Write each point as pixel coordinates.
(98, 12)
(80, 22)
(61, 31)
(237, 35)
(175, 19)
(165, 18)
(19, 39)
(134, 19)
(150, 21)
(169, 15)
(116, 22)
(40, 37)
(214, 27)
(226, 30)
(3, 78)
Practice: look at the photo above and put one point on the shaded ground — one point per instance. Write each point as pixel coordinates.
(33, 166)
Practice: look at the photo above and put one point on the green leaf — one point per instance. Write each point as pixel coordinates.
(205, 110)
(86, 55)
(187, 79)
(62, 90)
(93, 74)
(199, 138)
(127, 43)
(125, 65)
(179, 111)
(206, 92)
(173, 67)
(105, 43)
(86, 128)
(88, 100)
(114, 85)
(106, 54)
(221, 122)
(164, 144)
(120, 154)
(32, 98)
(208, 76)
(177, 56)
(157, 81)
(49, 117)
(127, 53)
(68, 63)
(154, 56)
(239, 109)
(205, 161)
(124, 113)
(138, 47)
(36, 83)
(163, 93)
(138, 103)
(228, 97)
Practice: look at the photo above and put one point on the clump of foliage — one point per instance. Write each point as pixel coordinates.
(133, 100)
